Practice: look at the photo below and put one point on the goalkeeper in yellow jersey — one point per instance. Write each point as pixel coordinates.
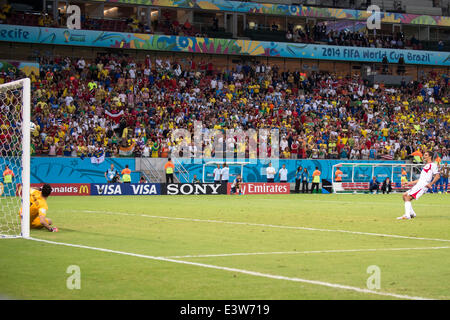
(38, 209)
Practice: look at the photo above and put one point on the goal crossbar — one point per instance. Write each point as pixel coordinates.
(215, 163)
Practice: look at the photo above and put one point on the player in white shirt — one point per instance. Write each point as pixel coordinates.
(283, 173)
(217, 173)
(225, 173)
(421, 185)
(270, 173)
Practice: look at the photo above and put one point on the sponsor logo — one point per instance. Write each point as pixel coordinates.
(84, 189)
(145, 189)
(131, 189)
(65, 189)
(194, 188)
(263, 188)
(106, 189)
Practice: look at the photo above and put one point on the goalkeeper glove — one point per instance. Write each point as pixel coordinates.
(54, 229)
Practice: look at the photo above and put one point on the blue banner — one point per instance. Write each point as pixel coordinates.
(77, 170)
(104, 39)
(125, 189)
(256, 172)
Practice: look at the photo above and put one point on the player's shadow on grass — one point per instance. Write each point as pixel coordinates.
(43, 230)
(98, 234)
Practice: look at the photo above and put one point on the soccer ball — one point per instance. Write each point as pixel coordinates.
(32, 127)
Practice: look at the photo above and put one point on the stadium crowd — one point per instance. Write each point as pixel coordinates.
(120, 107)
(321, 33)
(318, 33)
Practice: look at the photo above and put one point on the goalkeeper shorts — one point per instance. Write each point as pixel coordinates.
(36, 223)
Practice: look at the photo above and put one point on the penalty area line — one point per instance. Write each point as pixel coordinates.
(266, 225)
(247, 272)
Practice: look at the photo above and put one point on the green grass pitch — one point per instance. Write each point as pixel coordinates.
(273, 246)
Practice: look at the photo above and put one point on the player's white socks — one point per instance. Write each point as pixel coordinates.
(408, 209)
(412, 213)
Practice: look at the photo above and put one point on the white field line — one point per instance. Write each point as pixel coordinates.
(267, 225)
(252, 273)
(303, 252)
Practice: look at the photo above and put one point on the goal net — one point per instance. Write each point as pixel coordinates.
(235, 169)
(15, 158)
(356, 176)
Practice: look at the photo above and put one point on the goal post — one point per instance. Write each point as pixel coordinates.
(15, 126)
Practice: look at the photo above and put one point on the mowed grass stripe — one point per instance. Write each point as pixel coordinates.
(303, 252)
(269, 226)
(413, 273)
(247, 272)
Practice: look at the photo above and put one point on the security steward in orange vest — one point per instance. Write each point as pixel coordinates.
(338, 175)
(169, 168)
(316, 180)
(8, 187)
(126, 175)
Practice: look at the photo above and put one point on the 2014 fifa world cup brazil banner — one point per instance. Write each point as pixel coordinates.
(104, 39)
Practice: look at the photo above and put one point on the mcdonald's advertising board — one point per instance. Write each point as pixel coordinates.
(67, 189)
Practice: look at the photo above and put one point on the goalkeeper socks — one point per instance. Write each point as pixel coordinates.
(408, 209)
